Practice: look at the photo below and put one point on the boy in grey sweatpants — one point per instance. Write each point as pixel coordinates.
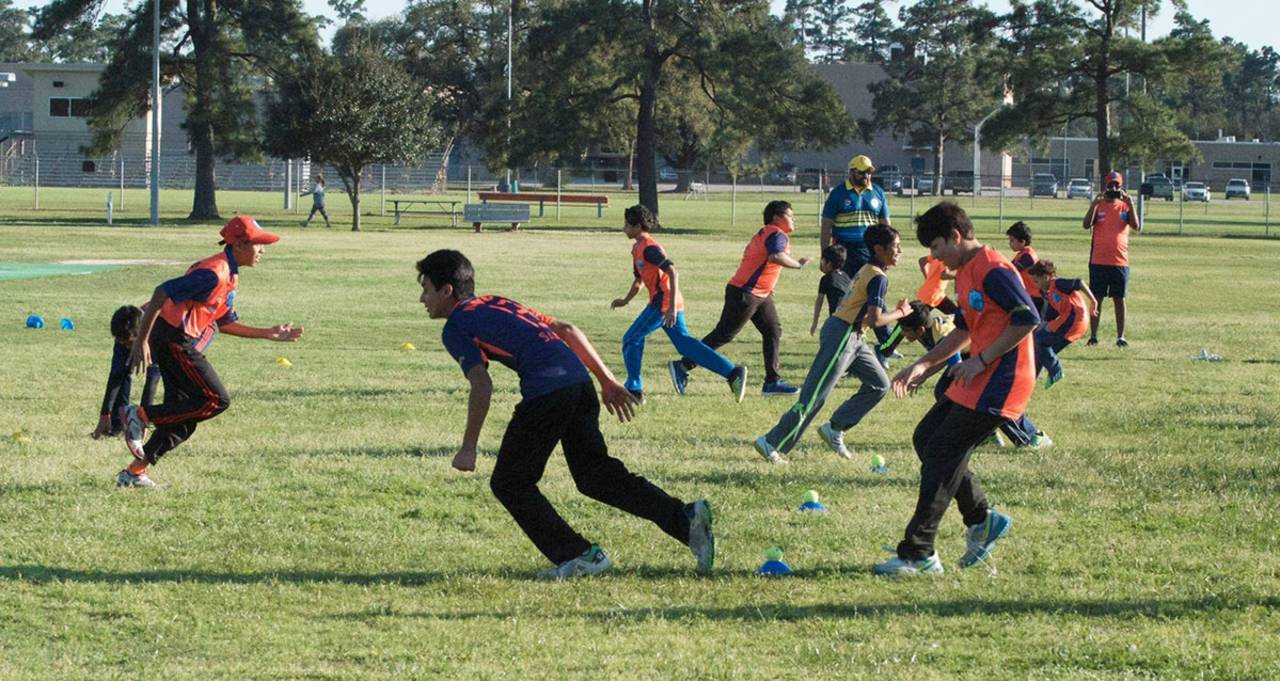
(842, 350)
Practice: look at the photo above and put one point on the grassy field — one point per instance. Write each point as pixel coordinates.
(316, 530)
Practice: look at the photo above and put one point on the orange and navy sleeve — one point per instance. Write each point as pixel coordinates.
(654, 255)
(1068, 286)
(1006, 289)
(195, 285)
(463, 347)
(1024, 261)
(776, 243)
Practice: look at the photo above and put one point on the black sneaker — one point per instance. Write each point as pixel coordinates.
(1121, 342)
(1093, 340)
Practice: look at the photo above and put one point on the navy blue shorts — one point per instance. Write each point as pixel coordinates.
(1108, 281)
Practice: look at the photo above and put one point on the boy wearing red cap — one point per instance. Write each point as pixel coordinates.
(180, 311)
(1110, 216)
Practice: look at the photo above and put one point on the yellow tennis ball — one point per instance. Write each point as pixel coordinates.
(811, 496)
(773, 553)
(877, 461)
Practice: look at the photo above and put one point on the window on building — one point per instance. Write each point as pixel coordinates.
(59, 107)
(81, 107)
(89, 167)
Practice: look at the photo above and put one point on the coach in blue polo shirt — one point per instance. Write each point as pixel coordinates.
(851, 208)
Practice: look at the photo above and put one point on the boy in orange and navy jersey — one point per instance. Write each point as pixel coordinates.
(180, 313)
(1067, 298)
(933, 292)
(749, 296)
(654, 271)
(993, 385)
(1024, 256)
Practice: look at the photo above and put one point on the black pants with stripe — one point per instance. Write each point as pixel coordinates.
(570, 417)
(192, 390)
(739, 308)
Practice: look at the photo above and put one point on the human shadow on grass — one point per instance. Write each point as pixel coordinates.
(346, 392)
(910, 607)
(374, 452)
(757, 479)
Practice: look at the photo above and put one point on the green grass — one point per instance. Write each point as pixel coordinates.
(316, 530)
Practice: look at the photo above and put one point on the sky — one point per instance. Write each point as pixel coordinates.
(1251, 22)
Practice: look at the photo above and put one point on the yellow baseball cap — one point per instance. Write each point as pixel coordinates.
(862, 164)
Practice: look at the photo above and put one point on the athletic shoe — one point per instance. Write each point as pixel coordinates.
(1093, 340)
(638, 394)
(134, 430)
(835, 440)
(983, 537)
(702, 543)
(895, 355)
(593, 561)
(883, 359)
(768, 451)
(778, 388)
(995, 440)
(1121, 342)
(679, 376)
(1040, 441)
(126, 479)
(901, 567)
(738, 382)
(1053, 379)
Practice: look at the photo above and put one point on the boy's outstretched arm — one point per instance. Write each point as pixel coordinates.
(787, 261)
(1093, 301)
(283, 333)
(907, 380)
(616, 399)
(477, 411)
(140, 353)
(876, 316)
(631, 293)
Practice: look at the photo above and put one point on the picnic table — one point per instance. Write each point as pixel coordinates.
(600, 200)
(442, 207)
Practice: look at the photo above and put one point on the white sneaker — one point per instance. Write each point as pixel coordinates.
(702, 542)
(899, 567)
(768, 451)
(592, 562)
(126, 479)
(834, 439)
(134, 430)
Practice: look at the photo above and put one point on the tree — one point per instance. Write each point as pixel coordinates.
(834, 31)
(939, 88)
(871, 35)
(351, 110)
(214, 49)
(582, 56)
(1252, 91)
(15, 43)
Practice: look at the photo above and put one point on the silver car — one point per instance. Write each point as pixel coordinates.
(1237, 187)
(1080, 187)
(1195, 191)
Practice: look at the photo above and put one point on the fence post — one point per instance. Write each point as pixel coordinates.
(558, 171)
(1267, 209)
(288, 183)
(109, 209)
(37, 183)
(1181, 204)
(122, 183)
(733, 201)
(913, 196)
(999, 224)
(820, 202)
(383, 208)
(468, 184)
(297, 205)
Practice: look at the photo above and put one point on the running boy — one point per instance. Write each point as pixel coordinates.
(933, 292)
(840, 349)
(834, 284)
(180, 312)
(655, 271)
(749, 296)
(1066, 297)
(558, 405)
(995, 322)
(1024, 256)
(1110, 217)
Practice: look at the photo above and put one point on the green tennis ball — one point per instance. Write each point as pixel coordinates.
(877, 461)
(811, 496)
(773, 553)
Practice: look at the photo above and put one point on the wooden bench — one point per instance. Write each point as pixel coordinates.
(480, 213)
(599, 200)
(451, 211)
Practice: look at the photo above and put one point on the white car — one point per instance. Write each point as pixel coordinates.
(1080, 187)
(1237, 187)
(1196, 191)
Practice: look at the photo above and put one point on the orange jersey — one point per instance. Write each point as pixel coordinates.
(934, 289)
(991, 299)
(1110, 234)
(756, 275)
(647, 260)
(1022, 261)
(195, 316)
(1065, 298)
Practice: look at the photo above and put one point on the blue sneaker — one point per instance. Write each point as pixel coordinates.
(679, 376)
(983, 537)
(778, 388)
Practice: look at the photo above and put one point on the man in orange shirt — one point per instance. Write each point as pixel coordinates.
(180, 312)
(993, 385)
(1110, 216)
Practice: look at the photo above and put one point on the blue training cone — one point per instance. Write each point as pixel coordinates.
(773, 564)
(35, 321)
(67, 324)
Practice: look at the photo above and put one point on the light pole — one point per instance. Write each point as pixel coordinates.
(977, 151)
(155, 113)
(510, 21)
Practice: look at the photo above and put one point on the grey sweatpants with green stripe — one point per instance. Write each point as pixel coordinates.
(840, 351)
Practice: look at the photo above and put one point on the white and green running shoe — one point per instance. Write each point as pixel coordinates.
(702, 542)
(983, 537)
(592, 562)
(738, 382)
(126, 479)
(901, 567)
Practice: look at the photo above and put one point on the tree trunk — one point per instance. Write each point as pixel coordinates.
(1102, 98)
(627, 185)
(354, 195)
(941, 155)
(646, 121)
(202, 18)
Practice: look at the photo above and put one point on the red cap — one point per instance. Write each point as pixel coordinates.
(1116, 177)
(243, 228)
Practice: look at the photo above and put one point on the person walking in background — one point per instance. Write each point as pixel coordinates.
(317, 200)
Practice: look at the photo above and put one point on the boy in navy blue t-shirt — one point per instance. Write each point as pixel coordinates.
(558, 406)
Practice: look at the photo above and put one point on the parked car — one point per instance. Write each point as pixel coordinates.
(1157, 186)
(783, 175)
(1237, 187)
(889, 177)
(958, 181)
(1196, 191)
(668, 174)
(1044, 184)
(922, 184)
(1079, 187)
(813, 178)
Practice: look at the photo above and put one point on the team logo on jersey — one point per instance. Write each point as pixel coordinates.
(975, 301)
(875, 203)
(1124, 216)
(639, 263)
(231, 299)
(848, 203)
(1057, 298)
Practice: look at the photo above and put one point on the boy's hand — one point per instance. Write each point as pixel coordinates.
(669, 317)
(618, 302)
(967, 370)
(285, 333)
(618, 400)
(139, 357)
(907, 380)
(804, 261)
(104, 427)
(465, 459)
